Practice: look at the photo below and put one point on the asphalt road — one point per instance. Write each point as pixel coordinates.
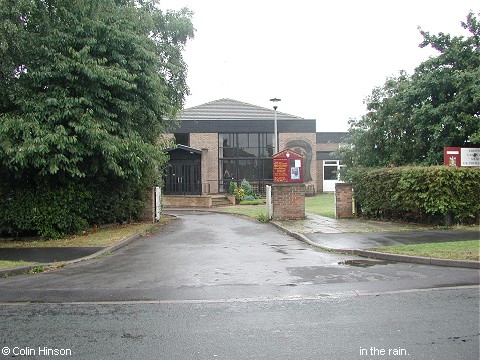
(211, 286)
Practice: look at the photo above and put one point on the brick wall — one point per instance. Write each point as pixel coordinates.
(288, 201)
(187, 201)
(343, 201)
(319, 176)
(208, 143)
(327, 147)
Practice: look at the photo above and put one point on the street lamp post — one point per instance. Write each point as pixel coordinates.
(275, 127)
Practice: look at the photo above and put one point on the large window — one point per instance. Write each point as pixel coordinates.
(245, 156)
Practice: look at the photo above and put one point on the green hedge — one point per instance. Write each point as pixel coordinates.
(436, 194)
(53, 211)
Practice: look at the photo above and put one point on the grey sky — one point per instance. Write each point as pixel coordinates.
(322, 58)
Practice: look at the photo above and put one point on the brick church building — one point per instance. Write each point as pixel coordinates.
(228, 140)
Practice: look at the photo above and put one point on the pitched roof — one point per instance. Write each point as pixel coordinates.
(228, 109)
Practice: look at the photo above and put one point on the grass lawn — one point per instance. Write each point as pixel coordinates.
(103, 237)
(455, 250)
(6, 264)
(251, 211)
(321, 204)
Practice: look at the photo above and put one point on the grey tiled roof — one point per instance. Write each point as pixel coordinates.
(228, 109)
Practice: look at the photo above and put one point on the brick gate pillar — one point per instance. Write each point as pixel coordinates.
(288, 201)
(343, 201)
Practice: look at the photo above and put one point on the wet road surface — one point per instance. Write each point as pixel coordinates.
(210, 286)
(439, 324)
(205, 256)
(47, 255)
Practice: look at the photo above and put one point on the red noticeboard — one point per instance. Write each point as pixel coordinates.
(451, 156)
(287, 167)
(461, 156)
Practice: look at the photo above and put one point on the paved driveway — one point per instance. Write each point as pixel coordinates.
(207, 256)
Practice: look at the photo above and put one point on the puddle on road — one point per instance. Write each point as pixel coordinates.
(365, 262)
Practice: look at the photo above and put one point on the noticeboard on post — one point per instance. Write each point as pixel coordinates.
(287, 167)
(461, 156)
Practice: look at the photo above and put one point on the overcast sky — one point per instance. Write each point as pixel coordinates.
(321, 58)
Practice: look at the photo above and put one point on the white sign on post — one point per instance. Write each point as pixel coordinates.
(470, 156)
(158, 203)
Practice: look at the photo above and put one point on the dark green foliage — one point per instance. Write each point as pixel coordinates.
(86, 89)
(232, 187)
(247, 188)
(412, 117)
(424, 194)
(248, 191)
(88, 86)
(116, 202)
(43, 210)
(53, 212)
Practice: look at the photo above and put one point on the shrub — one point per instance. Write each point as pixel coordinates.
(50, 212)
(247, 188)
(427, 194)
(53, 210)
(263, 218)
(232, 187)
(239, 194)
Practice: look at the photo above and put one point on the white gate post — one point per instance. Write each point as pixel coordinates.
(269, 202)
(158, 203)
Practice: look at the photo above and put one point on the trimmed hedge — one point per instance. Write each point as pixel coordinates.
(53, 211)
(48, 212)
(437, 194)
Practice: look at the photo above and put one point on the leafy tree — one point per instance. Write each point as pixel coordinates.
(411, 118)
(87, 86)
(86, 89)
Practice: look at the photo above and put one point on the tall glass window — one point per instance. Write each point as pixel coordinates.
(245, 156)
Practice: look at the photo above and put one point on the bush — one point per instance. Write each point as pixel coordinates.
(53, 211)
(247, 188)
(239, 194)
(263, 218)
(49, 212)
(426, 194)
(232, 187)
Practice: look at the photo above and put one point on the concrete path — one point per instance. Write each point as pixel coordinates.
(354, 236)
(379, 239)
(321, 224)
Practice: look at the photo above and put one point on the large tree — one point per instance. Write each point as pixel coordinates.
(412, 117)
(87, 86)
